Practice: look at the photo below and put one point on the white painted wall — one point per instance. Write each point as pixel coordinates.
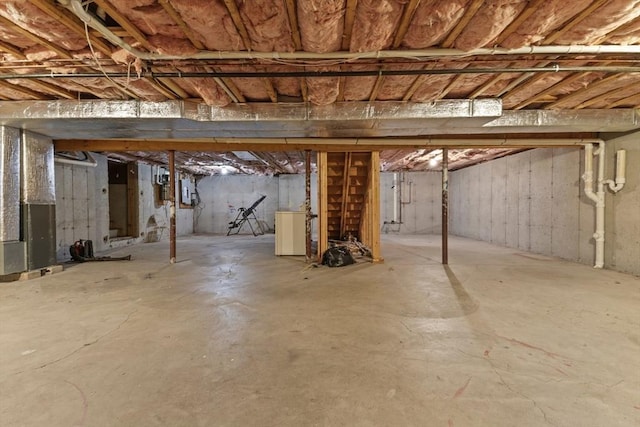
(222, 196)
(534, 201)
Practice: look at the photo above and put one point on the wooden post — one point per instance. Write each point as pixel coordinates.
(374, 206)
(445, 206)
(172, 207)
(307, 201)
(323, 223)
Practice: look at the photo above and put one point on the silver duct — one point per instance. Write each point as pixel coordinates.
(12, 250)
(10, 188)
(38, 185)
(38, 200)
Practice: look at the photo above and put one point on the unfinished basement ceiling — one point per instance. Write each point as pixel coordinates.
(543, 61)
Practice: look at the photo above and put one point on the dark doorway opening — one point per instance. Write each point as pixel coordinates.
(123, 200)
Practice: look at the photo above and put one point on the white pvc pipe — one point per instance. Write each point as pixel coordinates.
(76, 7)
(396, 187)
(621, 159)
(90, 162)
(597, 197)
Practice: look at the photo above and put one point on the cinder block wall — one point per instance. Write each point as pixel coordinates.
(534, 201)
(622, 224)
(82, 206)
(222, 196)
(418, 202)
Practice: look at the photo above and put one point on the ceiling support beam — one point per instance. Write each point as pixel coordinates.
(349, 18)
(468, 14)
(261, 146)
(407, 16)
(124, 22)
(618, 92)
(35, 38)
(58, 13)
(564, 28)
(577, 94)
(531, 7)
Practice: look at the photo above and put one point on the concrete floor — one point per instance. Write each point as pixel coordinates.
(233, 336)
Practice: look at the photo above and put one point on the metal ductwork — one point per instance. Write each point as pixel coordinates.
(12, 250)
(37, 200)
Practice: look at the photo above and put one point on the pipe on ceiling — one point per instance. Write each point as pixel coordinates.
(340, 73)
(75, 6)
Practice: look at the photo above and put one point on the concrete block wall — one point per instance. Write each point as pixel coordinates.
(150, 212)
(82, 207)
(534, 201)
(222, 196)
(531, 201)
(418, 202)
(622, 220)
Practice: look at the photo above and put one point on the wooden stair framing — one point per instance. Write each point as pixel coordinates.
(349, 198)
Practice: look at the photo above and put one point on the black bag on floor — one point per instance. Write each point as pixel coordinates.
(337, 256)
(81, 251)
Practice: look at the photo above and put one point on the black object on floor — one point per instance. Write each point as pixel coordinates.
(82, 251)
(337, 256)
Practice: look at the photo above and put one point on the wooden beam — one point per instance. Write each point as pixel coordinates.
(564, 28)
(450, 86)
(482, 89)
(629, 100)
(405, 21)
(349, 18)
(9, 48)
(464, 21)
(345, 193)
(341, 85)
(173, 86)
(373, 193)
(581, 92)
(297, 41)
(293, 24)
(124, 22)
(621, 29)
(532, 80)
(133, 201)
(271, 91)
(50, 88)
(531, 7)
(460, 141)
(551, 89)
(70, 21)
(175, 16)
(414, 87)
(612, 93)
(237, 20)
(35, 38)
(23, 90)
(323, 211)
(376, 88)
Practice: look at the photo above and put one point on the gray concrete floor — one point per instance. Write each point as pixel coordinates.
(234, 336)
